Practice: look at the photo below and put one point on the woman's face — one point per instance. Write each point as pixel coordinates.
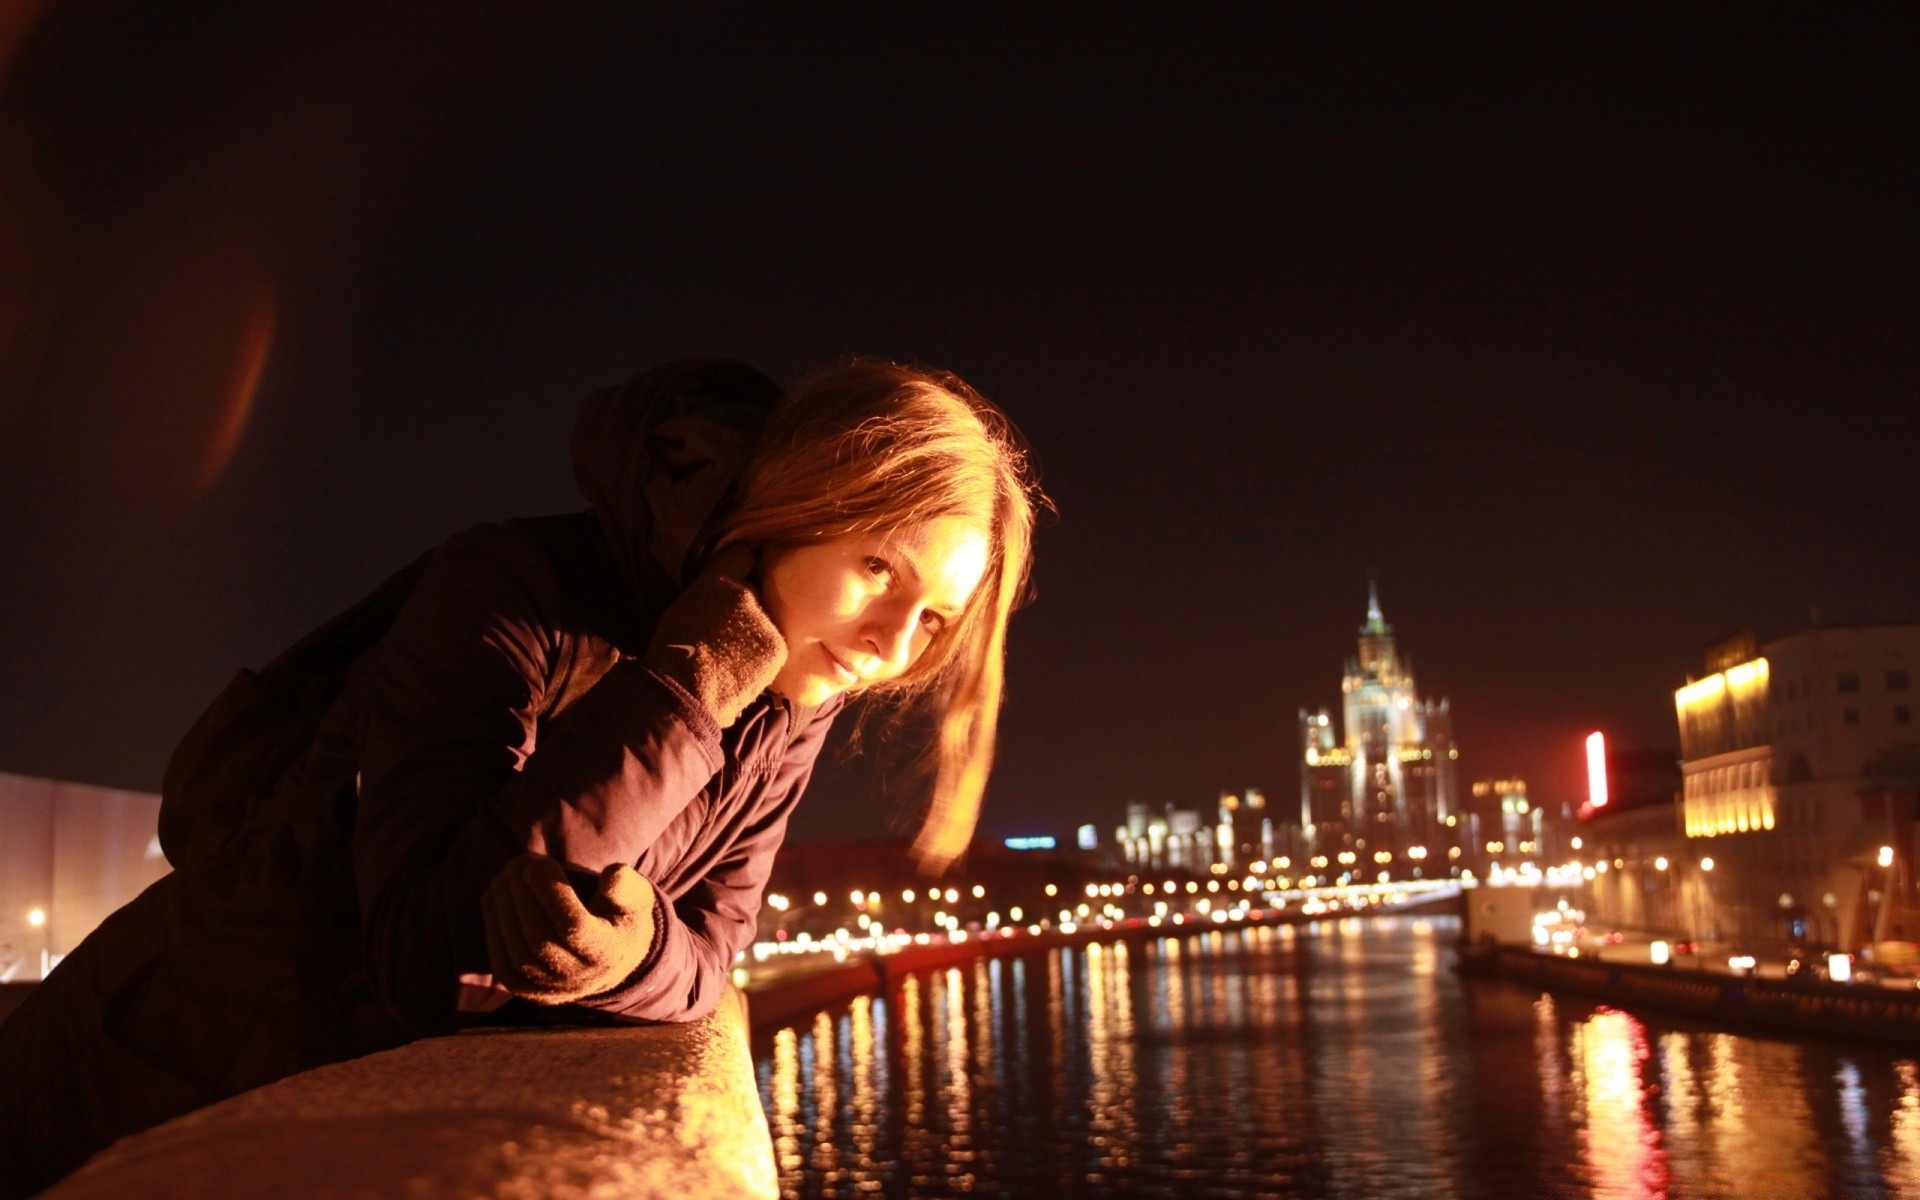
(858, 610)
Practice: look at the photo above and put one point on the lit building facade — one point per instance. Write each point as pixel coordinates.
(1181, 839)
(1801, 764)
(1502, 824)
(1245, 829)
(1384, 783)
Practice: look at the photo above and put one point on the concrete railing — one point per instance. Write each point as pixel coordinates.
(654, 1111)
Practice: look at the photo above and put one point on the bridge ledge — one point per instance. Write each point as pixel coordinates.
(651, 1111)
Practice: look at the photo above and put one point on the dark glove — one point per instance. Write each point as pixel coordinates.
(544, 945)
(716, 641)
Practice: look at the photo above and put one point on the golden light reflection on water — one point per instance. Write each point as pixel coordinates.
(1762, 1124)
(1264, 987)
(1903, 1141)
(918, 1142)
(864, 1065)
(785, 1114)
(1623, 1153)
(1339, 1062)
(1224, 1001)
(1056, 1030)
(1546, 1056)
(1111, 1047)
(1426, 952)
(986, 999)
(1374, 1112)
(826, 1100)
(1353, 967)
(1685, 1098)
(1176, 1064)
(1437, 1091)
(1171, 1011)
(955, 1086)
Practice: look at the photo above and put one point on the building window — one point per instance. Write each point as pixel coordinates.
(1850, 715)
(1847, 681)
(1902, 715)
(1897, 680)
(1797, 769)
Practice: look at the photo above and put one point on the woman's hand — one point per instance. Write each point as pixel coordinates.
(544, 945)
(716, 641)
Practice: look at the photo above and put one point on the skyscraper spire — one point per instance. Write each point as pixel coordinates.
(1376, 625)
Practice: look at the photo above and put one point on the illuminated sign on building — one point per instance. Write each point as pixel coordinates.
(1597, 769)
(1029, 843)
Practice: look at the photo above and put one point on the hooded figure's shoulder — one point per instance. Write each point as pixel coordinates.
(555, 568)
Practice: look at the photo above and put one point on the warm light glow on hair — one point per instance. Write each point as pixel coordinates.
(870, 447)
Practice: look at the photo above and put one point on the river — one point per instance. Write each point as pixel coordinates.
(1344, 1059)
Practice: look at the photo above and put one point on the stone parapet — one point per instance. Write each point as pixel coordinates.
(638, 1112)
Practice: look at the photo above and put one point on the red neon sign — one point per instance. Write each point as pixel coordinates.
(1597, 770)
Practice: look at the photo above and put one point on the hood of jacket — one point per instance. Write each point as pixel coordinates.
(656, 456)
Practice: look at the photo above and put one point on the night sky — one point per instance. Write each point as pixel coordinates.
(1594, 338)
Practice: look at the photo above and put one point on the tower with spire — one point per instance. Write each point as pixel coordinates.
(1380, 793)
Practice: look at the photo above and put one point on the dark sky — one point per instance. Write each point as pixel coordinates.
(1594, 337)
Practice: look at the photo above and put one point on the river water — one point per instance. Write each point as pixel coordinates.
(1339, 1060)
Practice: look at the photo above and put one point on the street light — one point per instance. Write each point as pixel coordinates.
(1699, 885)
(1884, 894)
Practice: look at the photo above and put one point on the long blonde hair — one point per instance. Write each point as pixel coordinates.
(870, 446)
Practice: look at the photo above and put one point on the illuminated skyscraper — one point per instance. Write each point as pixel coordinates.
(1388, 787)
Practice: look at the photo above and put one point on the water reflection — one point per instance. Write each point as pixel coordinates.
(1903, 1151)
(1618, 1137)
(1341, 1061)
(822, 1100)
(1111, 1051)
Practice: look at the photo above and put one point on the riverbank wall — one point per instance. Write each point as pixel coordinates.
(1813, 1008)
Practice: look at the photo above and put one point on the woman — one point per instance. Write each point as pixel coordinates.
(553, 779)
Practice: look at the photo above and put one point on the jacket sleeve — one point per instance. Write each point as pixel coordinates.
(699, 934)
(451, 781)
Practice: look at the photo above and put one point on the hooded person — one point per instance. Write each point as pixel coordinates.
(562, 719)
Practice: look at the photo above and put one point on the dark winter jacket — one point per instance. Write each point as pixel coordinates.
(458, 772)
(506, 710)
